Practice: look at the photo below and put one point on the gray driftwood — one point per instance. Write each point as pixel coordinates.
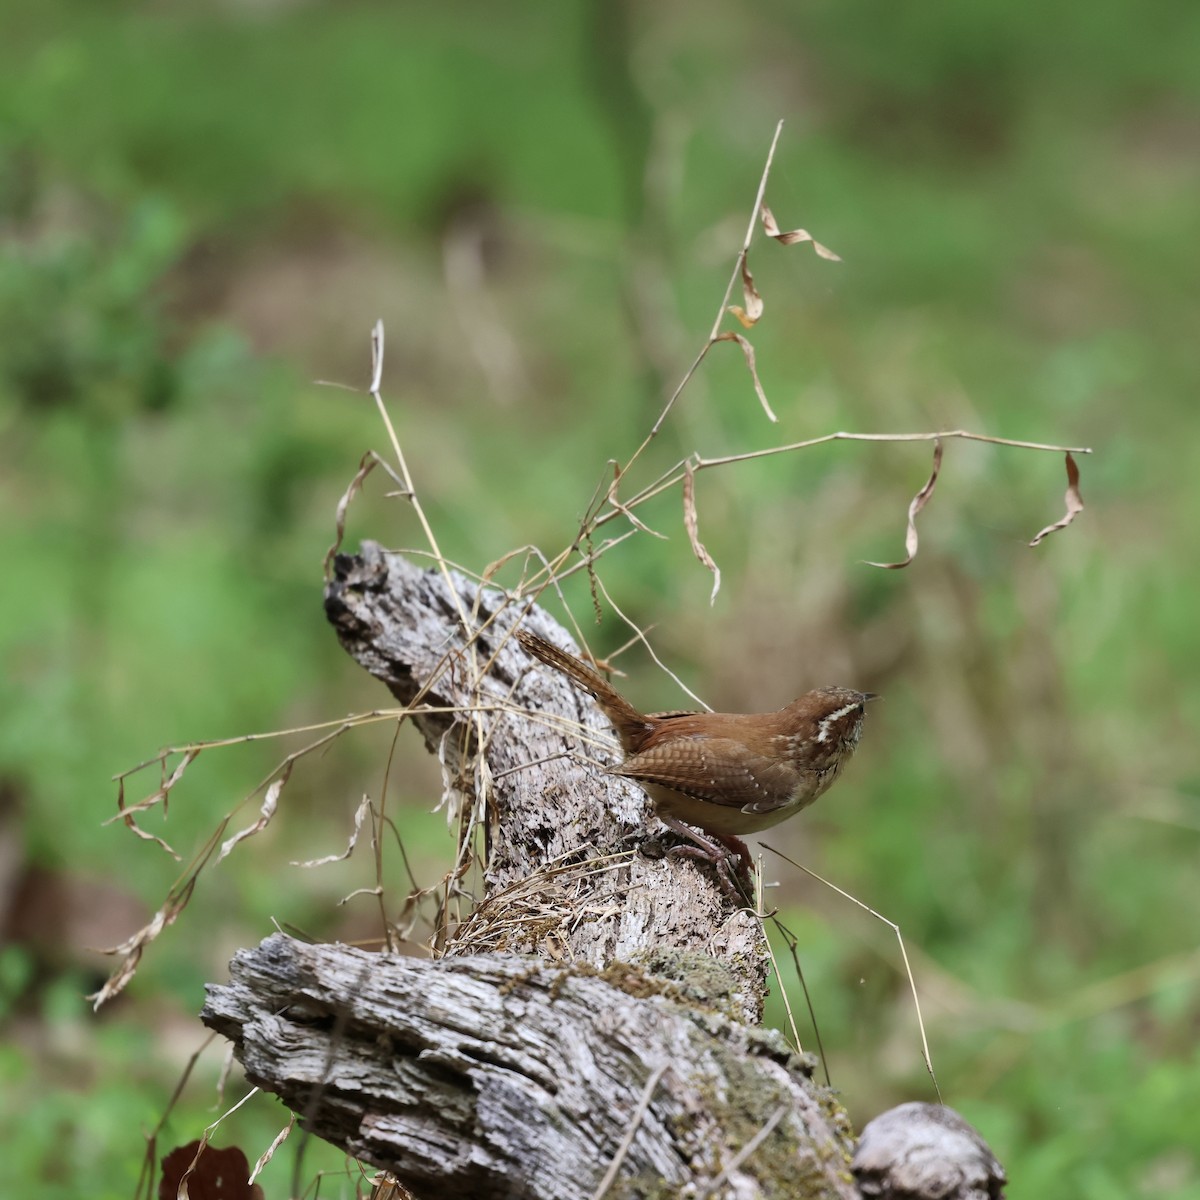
(492, 1076)
(592, 1027)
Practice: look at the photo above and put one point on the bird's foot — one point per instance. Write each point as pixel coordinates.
(729, 856)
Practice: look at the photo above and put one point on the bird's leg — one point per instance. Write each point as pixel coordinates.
(729, 855)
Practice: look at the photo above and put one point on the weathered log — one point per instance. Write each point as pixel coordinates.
(492, 1076)
(592, 1027)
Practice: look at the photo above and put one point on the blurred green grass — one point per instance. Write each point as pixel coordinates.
(204, 208)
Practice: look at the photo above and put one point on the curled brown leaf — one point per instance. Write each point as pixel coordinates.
(206, 1172)
(269, 1153)
(1074, 502)
(752, 301)
(131, 950)
(366, 465)
(918, 503)
(266, 812)
(125, 812)
(691, 523)
(748, 351)
(792, 236)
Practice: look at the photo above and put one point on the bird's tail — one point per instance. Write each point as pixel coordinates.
(627, 721)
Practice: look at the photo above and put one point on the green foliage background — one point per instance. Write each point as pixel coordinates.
(204, 207)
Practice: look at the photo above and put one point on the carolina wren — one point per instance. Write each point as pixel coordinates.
(729, 774)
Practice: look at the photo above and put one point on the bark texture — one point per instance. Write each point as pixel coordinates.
(497, 1077)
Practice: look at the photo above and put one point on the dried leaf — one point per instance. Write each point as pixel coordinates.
(265, 813)
(1074, 502)
(266, 1156)
(366, 465)
(753, 309)
(792, 236)
(204, 1172)
(918, 503)
(748, 351)
(388, 1187)
(163, 794)
(452, 796)
(360, 816)
(691, 523)
(125, 815)
(500, 563)
(132, 948)
(624, 510)
(376, 357)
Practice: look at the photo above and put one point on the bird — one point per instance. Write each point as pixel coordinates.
(723, 774)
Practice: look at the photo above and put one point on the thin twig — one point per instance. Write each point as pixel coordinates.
(676, 474)
(792, 943)
(377, 347)
(716, 328)
(760, 907)
(747, 1150)
(891, 437)
(912, 983)
(641, 637)
(627, 1141)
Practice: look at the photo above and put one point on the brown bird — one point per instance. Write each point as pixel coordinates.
(728, 774)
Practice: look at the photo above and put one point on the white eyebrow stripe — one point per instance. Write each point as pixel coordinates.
(823, 728)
